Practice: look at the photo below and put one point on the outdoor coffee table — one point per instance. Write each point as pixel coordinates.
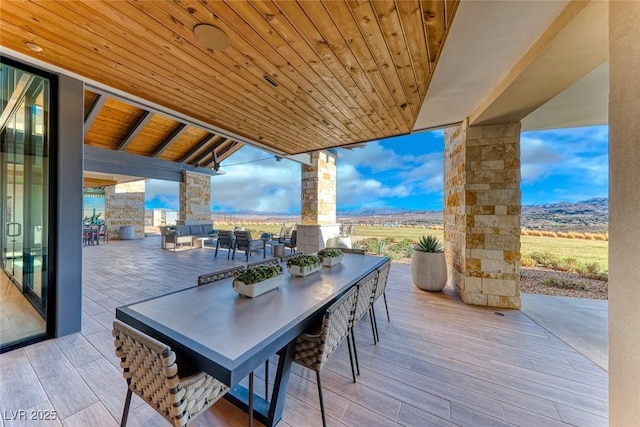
(200, 241)
(229, 336)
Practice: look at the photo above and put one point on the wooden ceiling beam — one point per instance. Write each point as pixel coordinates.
(94, 111)
(135, 130)
(208, 151)
(177, 132)
(203, 142)
(226, 152)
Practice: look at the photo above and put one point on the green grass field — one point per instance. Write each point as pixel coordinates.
(584, 251)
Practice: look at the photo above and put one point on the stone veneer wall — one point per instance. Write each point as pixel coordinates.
(319, 190)
(312, 238)
(124, 205)
(482, 213)
(195, 198)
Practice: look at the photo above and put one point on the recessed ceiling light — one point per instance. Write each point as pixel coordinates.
(211, 37)
(34, 47)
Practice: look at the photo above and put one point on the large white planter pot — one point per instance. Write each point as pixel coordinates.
(429, 270)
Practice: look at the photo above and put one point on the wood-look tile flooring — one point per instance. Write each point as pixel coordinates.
(18, 318)
(439, 361)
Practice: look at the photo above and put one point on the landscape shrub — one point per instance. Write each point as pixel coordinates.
(549, 234)
(524, 232)
(557, 282)
(589, 271)
(562, 234)
(535, 233)
(527, 261)
(379, 248)
(589, 236)
(592, 271)
(601, 236)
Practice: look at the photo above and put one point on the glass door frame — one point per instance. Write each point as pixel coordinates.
(49, 247)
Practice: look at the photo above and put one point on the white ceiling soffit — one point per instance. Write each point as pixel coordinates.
(485, 40)
(120, 179)
(585, 103)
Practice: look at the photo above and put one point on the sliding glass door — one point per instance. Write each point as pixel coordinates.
(24, 191)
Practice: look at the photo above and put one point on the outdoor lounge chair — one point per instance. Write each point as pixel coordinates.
(226, 240)
(177, 391)
(246, 243)
(292, 242)
(315, 347)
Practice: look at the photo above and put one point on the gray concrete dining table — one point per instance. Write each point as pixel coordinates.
(229, 336)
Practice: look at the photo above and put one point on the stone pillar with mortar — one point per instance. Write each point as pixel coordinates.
(318, 203)
(124, 206)
(482, 213)
(195, 198)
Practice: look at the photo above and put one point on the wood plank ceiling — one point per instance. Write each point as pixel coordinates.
(344, 71)
(115, 125)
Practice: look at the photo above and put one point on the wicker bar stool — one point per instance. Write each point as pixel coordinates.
(314, 348)
(177, 391)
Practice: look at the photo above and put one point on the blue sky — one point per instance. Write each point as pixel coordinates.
(405, 172)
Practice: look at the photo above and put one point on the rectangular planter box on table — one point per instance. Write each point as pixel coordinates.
(259, 288)
(331, 261)
(296, 270)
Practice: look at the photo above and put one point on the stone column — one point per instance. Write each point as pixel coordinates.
(124, 205)
(624, 205)
(195, 198)
(318, 203)
(482, 213)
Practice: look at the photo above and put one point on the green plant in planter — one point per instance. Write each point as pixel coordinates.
(258, 273)
(304, 261)
(329, 253)
(428, 244)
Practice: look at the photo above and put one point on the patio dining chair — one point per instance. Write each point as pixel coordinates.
(226, 240)
(314, 348)
(176, 390)
(292, 242)
(366, 291)
(380, 290)
(246, 243)
(104, 233)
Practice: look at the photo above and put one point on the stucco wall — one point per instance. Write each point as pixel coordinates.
(624, 208)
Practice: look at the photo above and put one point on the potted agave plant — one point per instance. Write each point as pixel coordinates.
(257, 280)
(304, 265)
(330, 256)
(428, 265)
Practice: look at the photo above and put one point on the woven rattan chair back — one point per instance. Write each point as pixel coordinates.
(352, 251)
(366, 288)
(381, 282)
(152, 373)
(218, 275)
(289, 256)
(313, 349)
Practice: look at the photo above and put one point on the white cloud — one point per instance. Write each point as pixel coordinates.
(354, 189)
(373, 156)
(537, 158)
(254, 180)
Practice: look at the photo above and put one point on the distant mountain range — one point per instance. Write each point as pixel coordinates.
(586, 215)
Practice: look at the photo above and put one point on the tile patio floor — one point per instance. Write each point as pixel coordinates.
(439, 362)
